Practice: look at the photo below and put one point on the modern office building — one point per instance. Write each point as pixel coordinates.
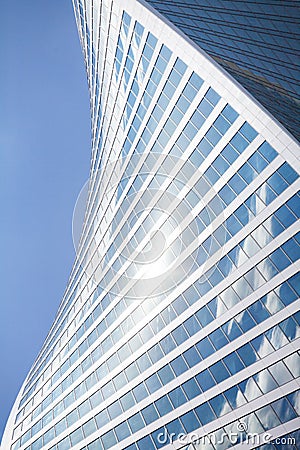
(180, 324)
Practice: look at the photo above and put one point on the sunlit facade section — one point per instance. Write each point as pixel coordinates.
(180, 324)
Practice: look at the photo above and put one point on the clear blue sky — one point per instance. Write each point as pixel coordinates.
(44, 161)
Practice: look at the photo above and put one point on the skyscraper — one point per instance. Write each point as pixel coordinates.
(180, 324)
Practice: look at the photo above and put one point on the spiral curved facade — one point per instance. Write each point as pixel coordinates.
(180, 325)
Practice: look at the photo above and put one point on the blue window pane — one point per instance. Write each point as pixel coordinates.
(140, 392)
(151, 40)
(146, 444)
(205, 107)
(192, 357)
(227, 195)
(205, 413)
(221, 125)
(150, 414)
(153, 383)
(267, 269)
(108, 440)
(191, 295)
(237, 184)
(201, 187)
(196, 81)
(230, 114)
(294, 400)
(286, 294)
(294, 281)
(191, 388)
(177, 397)
(201, 258)
(276, 337)
(155, 353)
(247, 173)
(219, 371)
(290, 328)
(292, 250)
(179, 365)
(143, 362)
(205, 348)
(175, 427)
(213, 136)
(102, 418)
(175, 77)
(122, 431)
(167, 344)
(297, 317)
(114, 410)
(277, 183)
(220, 164)
(233, 363)
(233, 225)
(165, 53)
(212, 96)
(131, 372)
(288, 173)
(218, 339)
(294, 204)
(180, 66)
(204, 316)
(127, 401)
(285, 216)
(220, 405)
(168, 314)
(258, 312)
(165, 374)
(239, 142)
(169, 90)
(192, 325)
(163, 405)
(284, 410)
(196, 158)
(279, 259)
(258, 162)
(211, 175)
(221, 234)
(182, 104)
(189, 92)
(229, 153)
(235, 397)
(205, 380)
(62, 445)
(267, 151)
(190, 421)
(245, 321)
(190, 131)
(180, 335)
(36, 445)
(205, 147)
(180, 305)
(273, 226)
(231, 329)
(108, 389)
(247, 354)
(247, 131)
(136, 422)
(250, 389)
(265, 381)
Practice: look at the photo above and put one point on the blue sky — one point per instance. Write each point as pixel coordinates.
(44, 161)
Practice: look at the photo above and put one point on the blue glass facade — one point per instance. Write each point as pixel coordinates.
(257, 42)
(180, 322)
